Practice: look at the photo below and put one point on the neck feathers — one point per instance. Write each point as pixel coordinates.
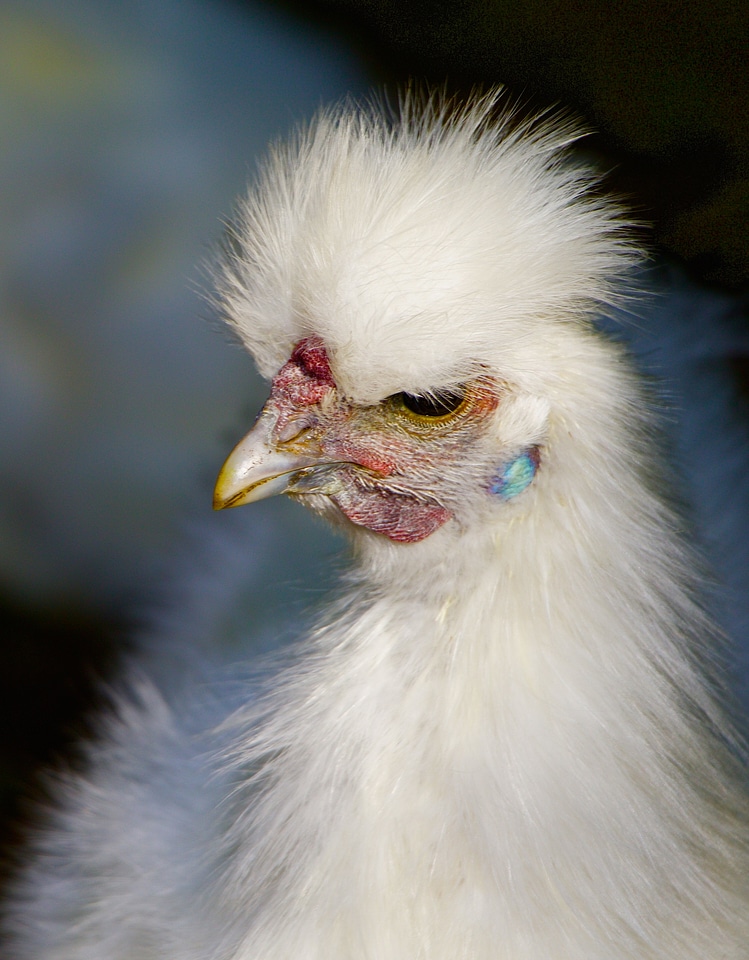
(506, 739)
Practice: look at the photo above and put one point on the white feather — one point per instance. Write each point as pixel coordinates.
(503, 741)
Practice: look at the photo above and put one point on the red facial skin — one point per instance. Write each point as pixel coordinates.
(301, 382)
(398, 516)
(298, 389)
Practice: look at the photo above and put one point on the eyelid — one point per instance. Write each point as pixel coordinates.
(438, 404)
(397, 403)
(481, 397)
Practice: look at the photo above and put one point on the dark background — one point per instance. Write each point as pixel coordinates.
(665, 83)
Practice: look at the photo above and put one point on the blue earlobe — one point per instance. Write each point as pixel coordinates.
(515, 476)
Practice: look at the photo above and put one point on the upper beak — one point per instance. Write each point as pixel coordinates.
(256, 468)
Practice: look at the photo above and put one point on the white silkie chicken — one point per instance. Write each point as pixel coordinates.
(503, 740)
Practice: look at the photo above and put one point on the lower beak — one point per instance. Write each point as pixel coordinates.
(256, 468)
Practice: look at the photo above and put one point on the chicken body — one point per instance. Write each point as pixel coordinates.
(502, 741)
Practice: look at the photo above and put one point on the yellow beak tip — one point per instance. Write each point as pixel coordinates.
(220, 498)
(223, 498)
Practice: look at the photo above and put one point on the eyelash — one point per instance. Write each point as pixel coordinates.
(434, 406)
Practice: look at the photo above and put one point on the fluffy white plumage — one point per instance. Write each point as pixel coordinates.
(503, 740)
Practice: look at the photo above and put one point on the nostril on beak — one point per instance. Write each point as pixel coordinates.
(292, 428)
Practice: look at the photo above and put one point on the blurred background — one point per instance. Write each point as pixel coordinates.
(127, 127)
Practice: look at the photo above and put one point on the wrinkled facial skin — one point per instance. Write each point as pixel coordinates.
(390, 463)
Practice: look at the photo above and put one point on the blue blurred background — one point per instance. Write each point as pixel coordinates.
(126, 131)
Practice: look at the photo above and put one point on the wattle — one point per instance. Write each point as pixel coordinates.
(398, 516)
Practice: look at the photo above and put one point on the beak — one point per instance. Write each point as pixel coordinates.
(256, 468)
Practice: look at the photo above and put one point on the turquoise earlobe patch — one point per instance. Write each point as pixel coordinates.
(515, 476)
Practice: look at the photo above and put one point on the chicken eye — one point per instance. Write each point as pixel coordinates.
(434, 405)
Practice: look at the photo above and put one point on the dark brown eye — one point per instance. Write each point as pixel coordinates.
(434, 405)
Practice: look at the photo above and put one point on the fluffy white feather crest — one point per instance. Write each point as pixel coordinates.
(417, 247)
